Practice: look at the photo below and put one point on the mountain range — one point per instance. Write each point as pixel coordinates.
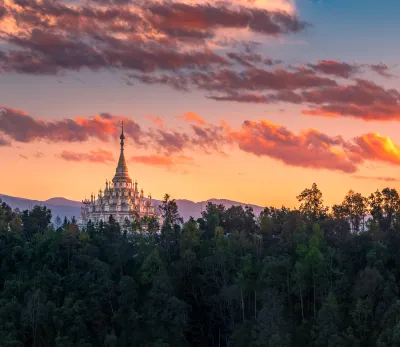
(68, 208)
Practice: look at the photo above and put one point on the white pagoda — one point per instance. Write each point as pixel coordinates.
(120, 199)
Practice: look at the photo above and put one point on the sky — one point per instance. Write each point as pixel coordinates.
(248, 100)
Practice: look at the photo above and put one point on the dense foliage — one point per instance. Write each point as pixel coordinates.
(314, 276)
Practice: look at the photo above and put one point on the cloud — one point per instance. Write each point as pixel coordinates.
(4, 142)
(375, 147)
(232, 84)
(313, 149)
(170, 141)
(177, 82)
(191, 117)
(271, 5)
(336, 68)
(157, 121)
(48, 53)
(381, 69)
(209, 138)
(197, 17)
(47, 37)
(38, 155)
(318, 90)
(250, 59)
(21, 127)
(361, 99)
(23, 156)
(187, 45)
(3, 11)
(162, 160)
(251, 79)
(95, 156)
(377, 178)
(309, 149)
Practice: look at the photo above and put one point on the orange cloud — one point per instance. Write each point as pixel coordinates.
(95, 156)
(310, 148)
(162, 161)
(379, 178)
(157, 121)
(19, 126)
(375, 147)
(191, 117)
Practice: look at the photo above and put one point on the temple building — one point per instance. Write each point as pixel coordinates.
(121, 199)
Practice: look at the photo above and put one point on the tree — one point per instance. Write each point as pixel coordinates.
(353, 208)
(58, 222)
(384, 205)
(327, 331)
(36, 220)
(272, 328)
(170, 212)
(151, 224)
(312, 204)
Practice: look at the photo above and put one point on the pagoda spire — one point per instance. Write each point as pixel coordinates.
(121, 174)
(122, 137)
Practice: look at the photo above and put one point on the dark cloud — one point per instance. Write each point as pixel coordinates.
(258, 79)
(180, 83)
(144, 36)
(381, 69)
(250, 59)
(170, 141)
(242, 97)
(362, 99)
(50, 52)
(336, 68)
(21, 127)
(209, 138)
(210, 17)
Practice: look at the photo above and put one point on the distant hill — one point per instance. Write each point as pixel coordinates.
(63, 202)
(68, 208)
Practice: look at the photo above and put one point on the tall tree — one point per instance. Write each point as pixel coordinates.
(170, 211)
(384, 205)
(312, 204)
(36, 220)
(354, 209)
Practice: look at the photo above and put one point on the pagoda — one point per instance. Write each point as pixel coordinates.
(120, 199)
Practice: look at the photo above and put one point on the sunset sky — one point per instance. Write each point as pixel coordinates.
(246, 100)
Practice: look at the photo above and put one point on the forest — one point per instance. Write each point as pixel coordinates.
(310, 276)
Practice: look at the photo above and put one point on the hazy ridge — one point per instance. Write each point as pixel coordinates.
(68, 208)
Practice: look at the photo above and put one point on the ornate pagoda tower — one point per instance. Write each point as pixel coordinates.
(120, 199)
